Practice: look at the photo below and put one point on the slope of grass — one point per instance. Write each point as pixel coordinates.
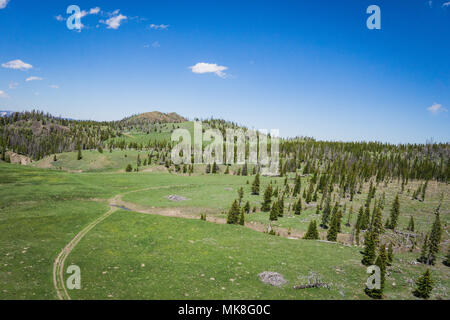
(133, 255)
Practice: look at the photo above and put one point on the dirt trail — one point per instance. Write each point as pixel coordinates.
(181, 213)
(58, 265)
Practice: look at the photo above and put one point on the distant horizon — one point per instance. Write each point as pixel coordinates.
(430, 139)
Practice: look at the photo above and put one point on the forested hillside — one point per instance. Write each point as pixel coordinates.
(348, 164)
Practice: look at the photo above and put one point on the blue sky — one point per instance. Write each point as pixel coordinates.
(304, 67)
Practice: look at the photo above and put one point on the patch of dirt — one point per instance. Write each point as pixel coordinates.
(272, 278)
(176, 198)
(18, 159)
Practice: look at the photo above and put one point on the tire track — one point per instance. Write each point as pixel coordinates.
(58, 265)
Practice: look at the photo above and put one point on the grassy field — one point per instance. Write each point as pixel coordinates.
(133, 255)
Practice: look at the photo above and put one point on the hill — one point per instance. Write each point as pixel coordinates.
(155, 117)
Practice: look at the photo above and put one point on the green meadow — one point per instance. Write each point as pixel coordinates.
(137, 255)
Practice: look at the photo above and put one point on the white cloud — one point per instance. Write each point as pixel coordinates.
(17, 65)
(446, 4)
(13, 85)
(437, 108)
(203, 67)
(3, 4)
(159, 26)
(115, 21)
(54, 86)
(60, 18)
(3, 94)
(95, 10)
(34, 79)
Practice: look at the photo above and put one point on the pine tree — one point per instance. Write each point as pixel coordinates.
(242, 218)
(425, 249)
(214, 168)
(411, 224)
(357, 231)
(381, 263)
(129, 168)
(281, 207)
(377, 225)
(365, 220)
(255, 185)
(395, 213)
(267, 199)
(297, 186)
(447, 258)
(369, 249)
(247, 207)
(348, 224)
(138, 161)
(424, 190)
(234, 213)
(274, 212)
(227, 170)
(333, 231)
(326, 214)
(312, 233)
(424, 286)
(390, 254)
(79, 156)
(435, 239)
(54, 158)
(245, 169)
(240, 194)
(298, 207)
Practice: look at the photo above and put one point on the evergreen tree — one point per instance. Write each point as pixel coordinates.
(274, 212)
(369, 249)
(312, 233)
(447, 258)
(424, 286)
(79, 156)
(365, 220)
(425, 249)
(424, 190)
(54, 158)
(245, 169)
(242, 218)
(435, 239)
(267, 199)
(227, 170)
(395, 213)
(281, 207)
(298, 207)
(348, 224)
(129, 168)
(247, 207)
(234, 213)
(411, 224)
(377, 225)
(255, 185)
(240, 194)
(297, 186)
(390, 254)
(138, 161)
(381, 263)
(214, 168)
(208, 169)
(326, 214)
(333, 231)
